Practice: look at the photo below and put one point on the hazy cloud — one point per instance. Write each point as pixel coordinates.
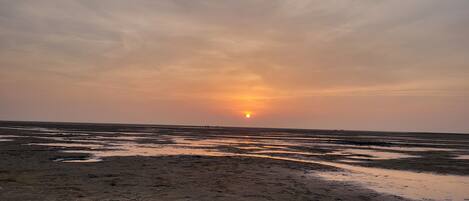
(226, 55)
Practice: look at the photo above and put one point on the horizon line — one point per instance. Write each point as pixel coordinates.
(224, 126)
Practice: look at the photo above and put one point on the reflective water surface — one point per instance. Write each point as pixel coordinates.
(346, 153)
(463, 157)
(421, 186)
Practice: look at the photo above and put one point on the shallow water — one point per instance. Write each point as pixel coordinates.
(69, 145)
(413, 185)
(277, 146)
(463, 157)
(7, 138)
(419, 186)
(372, 154)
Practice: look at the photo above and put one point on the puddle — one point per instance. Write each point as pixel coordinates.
(372, 154)
(286, 152)
(419, 186)
(127, 138)
(149, 150)
(7, 138)
(390, 148)
(88, 160)
(251, 148)
(275, 147)
(413, 185)
(463, 157)
(348, 161)
(277, 137)
(411, 149)
(69, 145)
(77, 160)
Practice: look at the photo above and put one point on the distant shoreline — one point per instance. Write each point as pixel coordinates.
(222, 127)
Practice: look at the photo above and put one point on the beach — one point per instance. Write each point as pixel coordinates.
(70, 161)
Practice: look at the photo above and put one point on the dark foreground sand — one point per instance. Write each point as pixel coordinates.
(29, 172)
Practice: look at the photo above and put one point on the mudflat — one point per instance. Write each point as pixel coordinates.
(68, 161)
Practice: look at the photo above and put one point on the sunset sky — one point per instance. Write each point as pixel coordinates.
(366, 65)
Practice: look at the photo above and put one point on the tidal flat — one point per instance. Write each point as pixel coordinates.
(75, 161)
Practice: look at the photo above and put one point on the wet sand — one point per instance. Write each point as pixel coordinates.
(52, 161)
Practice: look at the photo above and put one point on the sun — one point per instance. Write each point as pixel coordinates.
(247, 115)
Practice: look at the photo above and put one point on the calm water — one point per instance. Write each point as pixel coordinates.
(321, 149)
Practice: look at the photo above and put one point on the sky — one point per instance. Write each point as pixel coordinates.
(339, 64)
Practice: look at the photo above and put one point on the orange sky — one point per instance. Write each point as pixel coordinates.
(371, 65)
